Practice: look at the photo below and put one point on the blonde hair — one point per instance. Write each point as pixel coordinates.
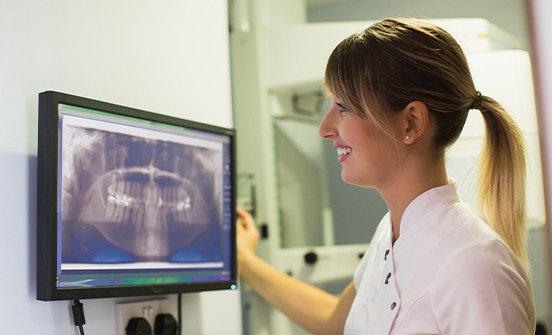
(396, 61)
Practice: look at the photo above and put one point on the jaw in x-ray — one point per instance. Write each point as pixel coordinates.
(128, 198)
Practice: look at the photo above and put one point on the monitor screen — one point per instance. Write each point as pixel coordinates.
(131, 202)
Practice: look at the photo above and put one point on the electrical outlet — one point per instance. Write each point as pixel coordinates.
(147, 309)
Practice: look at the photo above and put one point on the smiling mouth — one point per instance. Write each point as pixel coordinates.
(343, 153)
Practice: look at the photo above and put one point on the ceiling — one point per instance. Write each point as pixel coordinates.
(315, 3)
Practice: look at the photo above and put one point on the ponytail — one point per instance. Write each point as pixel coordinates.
(501, 183)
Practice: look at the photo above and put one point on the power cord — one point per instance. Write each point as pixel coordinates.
(179, 311)
(78, 315)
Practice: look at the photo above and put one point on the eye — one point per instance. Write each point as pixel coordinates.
(341, 107)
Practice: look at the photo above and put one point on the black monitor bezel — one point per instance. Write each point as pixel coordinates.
(47, 183)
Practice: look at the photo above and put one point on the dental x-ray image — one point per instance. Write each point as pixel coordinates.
(131, 198)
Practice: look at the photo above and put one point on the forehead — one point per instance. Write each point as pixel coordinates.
(333, 98)
(329, 94)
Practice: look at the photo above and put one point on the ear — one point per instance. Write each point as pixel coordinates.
(415, 121)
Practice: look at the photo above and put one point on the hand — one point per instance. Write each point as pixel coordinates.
(247, 235)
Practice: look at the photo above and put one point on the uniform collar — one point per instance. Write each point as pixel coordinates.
(425, 203)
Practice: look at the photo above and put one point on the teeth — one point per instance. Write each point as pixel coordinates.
(343, 151)
(117, 210)
(148, 213)
(125, 198)
(180, 206)
(119, 201)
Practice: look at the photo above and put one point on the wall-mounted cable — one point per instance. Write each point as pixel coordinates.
(78, 315)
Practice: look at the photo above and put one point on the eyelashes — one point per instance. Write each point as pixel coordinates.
(341, 107)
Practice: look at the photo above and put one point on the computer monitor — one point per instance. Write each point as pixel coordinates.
(131, 202)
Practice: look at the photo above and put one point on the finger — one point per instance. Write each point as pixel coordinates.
(240, 228)
(245, 216)
(242, 212)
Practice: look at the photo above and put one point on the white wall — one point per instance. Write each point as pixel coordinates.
(168, 57)
(542, 54)
(539, 11)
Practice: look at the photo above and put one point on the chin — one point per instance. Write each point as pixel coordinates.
(356, 180)
(352, 180)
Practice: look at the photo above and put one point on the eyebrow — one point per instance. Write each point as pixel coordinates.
(340, 105)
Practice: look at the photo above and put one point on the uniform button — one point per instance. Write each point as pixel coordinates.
(393, 305)
(387, 279)
(386, 253)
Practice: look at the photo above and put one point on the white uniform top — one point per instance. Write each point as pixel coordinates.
(447, 273)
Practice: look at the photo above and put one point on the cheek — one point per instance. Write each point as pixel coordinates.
(377, 158)
(372, 160)
(369, 145)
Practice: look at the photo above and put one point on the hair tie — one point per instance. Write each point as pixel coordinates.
(477, 101)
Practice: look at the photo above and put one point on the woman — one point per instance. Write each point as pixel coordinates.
(401, 91)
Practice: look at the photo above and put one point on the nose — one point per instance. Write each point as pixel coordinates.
(328, 127)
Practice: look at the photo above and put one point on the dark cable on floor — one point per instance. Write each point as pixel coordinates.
(179, 311)
(78, 315)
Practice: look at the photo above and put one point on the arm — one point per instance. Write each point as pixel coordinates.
(310, 307)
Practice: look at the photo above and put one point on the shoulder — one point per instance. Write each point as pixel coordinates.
(457, 231)
(482, 260)
(483, 286)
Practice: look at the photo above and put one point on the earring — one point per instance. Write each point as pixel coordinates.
(407, 137)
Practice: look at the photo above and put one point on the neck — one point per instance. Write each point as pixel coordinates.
(411, 181)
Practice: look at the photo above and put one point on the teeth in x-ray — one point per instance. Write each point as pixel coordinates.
(142, 206)
(123, 196)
